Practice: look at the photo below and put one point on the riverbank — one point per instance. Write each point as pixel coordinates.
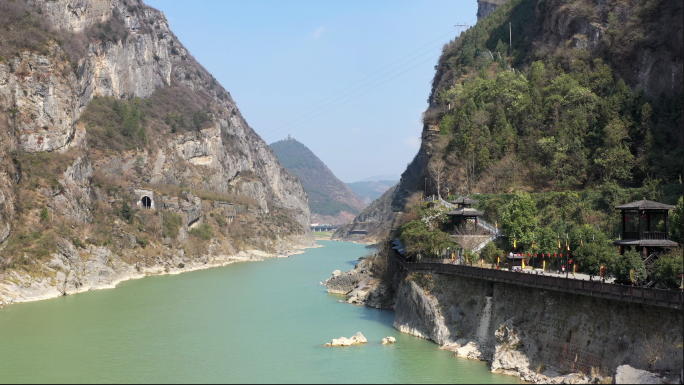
(75, 271)
(244, 323)
(540, 336)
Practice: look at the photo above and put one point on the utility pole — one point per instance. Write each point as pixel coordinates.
(459, 27)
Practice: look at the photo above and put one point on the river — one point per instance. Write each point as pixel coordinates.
(246, 322)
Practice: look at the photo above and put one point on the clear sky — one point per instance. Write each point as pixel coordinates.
(368, 64)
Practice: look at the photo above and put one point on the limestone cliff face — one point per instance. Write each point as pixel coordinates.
(486, 7)
(46, 99)
(519, 330)
(44, 93)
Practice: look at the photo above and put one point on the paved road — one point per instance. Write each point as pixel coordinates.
(581, 276)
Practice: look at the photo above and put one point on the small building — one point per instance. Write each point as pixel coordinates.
(464, 211)
(515, 261)
(645, 228)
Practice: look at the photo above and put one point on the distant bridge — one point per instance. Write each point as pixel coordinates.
(321, 228)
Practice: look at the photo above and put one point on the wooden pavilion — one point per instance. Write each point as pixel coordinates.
(464, 211)
(645, 227)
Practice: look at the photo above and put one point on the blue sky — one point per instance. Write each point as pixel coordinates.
(361, 62)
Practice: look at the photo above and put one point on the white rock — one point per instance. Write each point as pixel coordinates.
(356, 339)
(388, 340)
(470, 351)
(336, 273)
(626, 374)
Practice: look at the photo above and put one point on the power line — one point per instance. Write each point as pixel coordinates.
(289, 126)
(266, 132)
(371, 75)
(282, 130)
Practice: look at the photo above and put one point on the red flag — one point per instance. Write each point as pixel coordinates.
(556, 255)
(529, 255)
(571, 261)
(535, 255)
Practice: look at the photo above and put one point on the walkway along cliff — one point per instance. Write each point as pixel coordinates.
(543, 329)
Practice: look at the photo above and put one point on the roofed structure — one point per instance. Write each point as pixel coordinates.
(464, 201)
(645, 225)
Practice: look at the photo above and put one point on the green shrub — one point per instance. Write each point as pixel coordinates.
(203, 232)
(171, 224)
(44, 215)
(142, 241)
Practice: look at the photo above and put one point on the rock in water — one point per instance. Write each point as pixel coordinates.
(388, 340)
(356, 339)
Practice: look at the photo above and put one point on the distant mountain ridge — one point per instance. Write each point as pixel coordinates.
(384, 177)
(330, 200)
(371, 190)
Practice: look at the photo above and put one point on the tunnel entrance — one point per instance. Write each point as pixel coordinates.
(146, 202)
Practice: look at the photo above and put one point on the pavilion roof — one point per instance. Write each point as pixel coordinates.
(646, 242)
(645, 205)
(464, 200)
(465, 212)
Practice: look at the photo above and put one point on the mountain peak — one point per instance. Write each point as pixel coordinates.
(330, 200)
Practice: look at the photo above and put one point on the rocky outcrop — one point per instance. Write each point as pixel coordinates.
(541, 336)
(486, 7)
(343, 283)
(356, 339)
(372, 224)
(362, 287)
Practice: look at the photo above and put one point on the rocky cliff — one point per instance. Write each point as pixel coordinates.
(640, 41)
(539, 335)
(103, 115)
(373, 223)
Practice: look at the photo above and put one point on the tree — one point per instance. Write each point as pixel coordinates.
(592, 256)
(519, 221)
(625, 263)
(436, 168)
(490, 252)
(677, 223)
(418, 240)
(668, 267)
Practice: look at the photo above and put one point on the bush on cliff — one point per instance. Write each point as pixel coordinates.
(419, 240)
(624, 265)
(668, 267)
(677, 223)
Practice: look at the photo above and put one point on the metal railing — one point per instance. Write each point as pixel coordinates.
(646, 295)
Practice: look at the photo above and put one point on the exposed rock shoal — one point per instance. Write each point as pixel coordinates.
(356, 339)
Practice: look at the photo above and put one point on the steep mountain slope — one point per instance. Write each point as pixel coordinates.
(590, 93)
(371, 190)
(330, 200)
(104, 113)
(373, 223)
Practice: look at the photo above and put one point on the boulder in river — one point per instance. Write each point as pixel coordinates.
(356, 339)
(388, 340)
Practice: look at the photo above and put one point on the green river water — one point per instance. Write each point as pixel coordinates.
(246, 322)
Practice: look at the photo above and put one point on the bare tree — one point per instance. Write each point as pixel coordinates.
(436, 168)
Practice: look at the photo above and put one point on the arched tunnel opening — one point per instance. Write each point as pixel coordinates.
(146, 202)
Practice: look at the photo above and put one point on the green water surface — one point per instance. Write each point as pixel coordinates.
(246, 322)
